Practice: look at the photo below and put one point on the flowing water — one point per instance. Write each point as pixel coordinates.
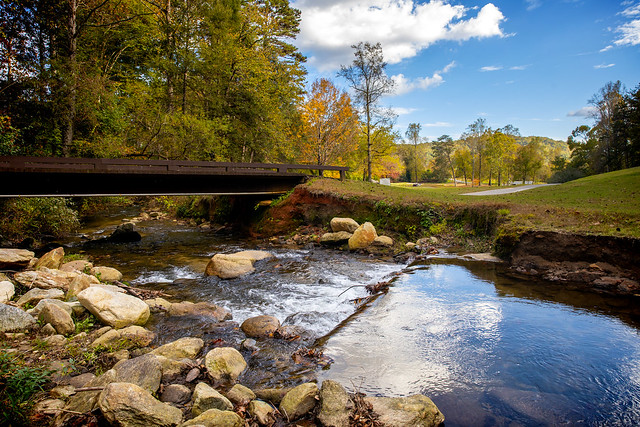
(487, 348)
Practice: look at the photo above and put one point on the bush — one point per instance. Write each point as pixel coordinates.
(565, 175)
(34, 217)
(18, 384)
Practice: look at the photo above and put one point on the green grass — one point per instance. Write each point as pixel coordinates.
(606, 204)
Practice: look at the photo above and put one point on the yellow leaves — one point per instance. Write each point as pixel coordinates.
(330, 125)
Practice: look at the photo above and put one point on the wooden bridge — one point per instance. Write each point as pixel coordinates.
(65, 176)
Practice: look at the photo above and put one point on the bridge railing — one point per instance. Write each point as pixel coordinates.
(133, 166)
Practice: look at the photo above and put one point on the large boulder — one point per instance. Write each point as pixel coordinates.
(81, 282)
(344, 224)
(225, 364)
(263, 412)
(175, 393)
(7, 291)
(363, 236)
(335, 405)
(412, 411)
(13, 319)
(129, 337)
(125, 233)
(35, 312)
(230, 266)
(127, 405)
(240, 395)
(183, 348)
(35, 295)
(199, 309)
(260, 326)
(52, 259)
(216, 418)
(106, 274)
(15, 259)
(336, 238)
(59, 318)
(114, 309)
(205, 398)
(384, 241)
(78, 266)
(45, 278)
(299, 401)
(145, 371)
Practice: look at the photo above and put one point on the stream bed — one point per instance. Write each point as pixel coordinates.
(487, 348)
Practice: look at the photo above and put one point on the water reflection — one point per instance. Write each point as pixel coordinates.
(490, 349)
(489, 357)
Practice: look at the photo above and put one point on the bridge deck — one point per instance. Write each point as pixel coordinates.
(46, 176)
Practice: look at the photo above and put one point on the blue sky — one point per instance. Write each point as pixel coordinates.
(530, 63)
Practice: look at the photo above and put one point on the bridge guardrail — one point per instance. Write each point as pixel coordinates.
(75, 165)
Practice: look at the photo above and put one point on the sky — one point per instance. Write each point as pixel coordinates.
(534, 64)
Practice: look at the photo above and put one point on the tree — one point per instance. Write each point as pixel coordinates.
(499, 150)
(330, 124)
(443, 149)
(476, 138)
(413, 135)
(367, 77)
(529, 160)
(606, 101)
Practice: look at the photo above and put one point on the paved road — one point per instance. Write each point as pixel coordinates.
(506, 190)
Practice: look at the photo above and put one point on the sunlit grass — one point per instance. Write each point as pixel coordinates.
(601, 204)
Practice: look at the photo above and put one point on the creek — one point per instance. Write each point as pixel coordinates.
(487, 348)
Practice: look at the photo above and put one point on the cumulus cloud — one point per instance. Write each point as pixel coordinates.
(629, 32)
(405, 85)
(601, 66)
(404, 27)
(519, 67)
(583, 112)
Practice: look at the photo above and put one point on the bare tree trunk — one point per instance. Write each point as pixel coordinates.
(453, 173)
(72, 83)
(368, 144)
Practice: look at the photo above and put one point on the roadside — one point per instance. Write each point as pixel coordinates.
(507, 190)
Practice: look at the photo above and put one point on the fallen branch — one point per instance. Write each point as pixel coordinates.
(141, 293)
(89, 389)
(351, 287)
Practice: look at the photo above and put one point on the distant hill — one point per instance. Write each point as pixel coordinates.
(554, 145)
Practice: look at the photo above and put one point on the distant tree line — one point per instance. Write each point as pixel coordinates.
(611, 143)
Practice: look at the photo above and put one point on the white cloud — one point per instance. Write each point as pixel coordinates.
(629, 31)
(491, 68)
(583, 112)
(630, 34)
(438, 125)
(533, 4)
(405, 85)
(602, 66)
(632, 10)
(519, 67)
(401, 111)
(404, 27)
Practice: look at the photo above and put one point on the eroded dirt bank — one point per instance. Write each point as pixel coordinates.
(602, 263)
(606, 263)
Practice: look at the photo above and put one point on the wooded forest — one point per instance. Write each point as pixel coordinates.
(221, 80)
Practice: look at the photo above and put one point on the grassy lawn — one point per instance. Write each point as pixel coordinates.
(601, 204)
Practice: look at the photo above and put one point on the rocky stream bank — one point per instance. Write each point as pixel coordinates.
(81, 329)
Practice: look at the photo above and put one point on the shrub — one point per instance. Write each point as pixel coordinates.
(17, 384)
(33, 217)
(565, 175)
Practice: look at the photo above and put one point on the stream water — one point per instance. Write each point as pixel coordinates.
(487, 348)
